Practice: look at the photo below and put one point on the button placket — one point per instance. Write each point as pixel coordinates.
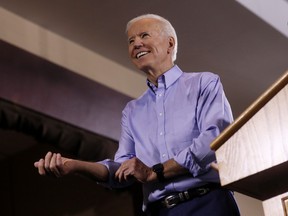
(159, 101)
(161, 120)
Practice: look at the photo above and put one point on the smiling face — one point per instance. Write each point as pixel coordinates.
(150, 48)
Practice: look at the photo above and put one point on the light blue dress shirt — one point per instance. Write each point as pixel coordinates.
(178, 119)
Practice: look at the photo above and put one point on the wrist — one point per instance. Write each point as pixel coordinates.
(158, 170)
(152, 177)
(70, 165)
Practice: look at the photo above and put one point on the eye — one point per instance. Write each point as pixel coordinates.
(131, 41)
(144, 35)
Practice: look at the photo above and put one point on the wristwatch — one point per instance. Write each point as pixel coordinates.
(158, 169)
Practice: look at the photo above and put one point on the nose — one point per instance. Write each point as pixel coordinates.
(137, 43)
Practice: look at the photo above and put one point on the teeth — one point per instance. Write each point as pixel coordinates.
(141, 54)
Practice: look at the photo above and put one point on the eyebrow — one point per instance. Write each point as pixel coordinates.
(137, 34)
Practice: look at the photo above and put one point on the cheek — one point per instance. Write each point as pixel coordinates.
(161, 47)
(129, 51)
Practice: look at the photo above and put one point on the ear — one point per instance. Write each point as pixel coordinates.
(171, 44)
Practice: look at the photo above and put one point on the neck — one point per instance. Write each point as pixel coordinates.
(153, 75)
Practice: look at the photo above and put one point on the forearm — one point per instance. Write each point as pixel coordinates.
(93, 170)
(173, 169)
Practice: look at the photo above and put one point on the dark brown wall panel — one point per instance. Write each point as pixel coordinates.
(45, 107)
(55, 91)
(25, 192)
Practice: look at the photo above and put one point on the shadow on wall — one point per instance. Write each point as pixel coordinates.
(25, 192)
(40, 106)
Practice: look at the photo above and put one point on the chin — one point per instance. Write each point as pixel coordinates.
(140, 66)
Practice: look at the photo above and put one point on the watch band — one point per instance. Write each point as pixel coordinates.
(158, 169)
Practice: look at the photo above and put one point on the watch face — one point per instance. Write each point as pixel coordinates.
(158, 167)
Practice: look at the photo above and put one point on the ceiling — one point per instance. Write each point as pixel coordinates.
(273, 12)
(220, 36)
(214, 35)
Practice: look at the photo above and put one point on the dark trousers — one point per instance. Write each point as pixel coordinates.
(219, 202)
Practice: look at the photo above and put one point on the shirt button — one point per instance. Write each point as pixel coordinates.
(160, 95)
(161, 133)
(160, 114)
(163, 155)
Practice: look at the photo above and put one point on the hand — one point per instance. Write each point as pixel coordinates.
(54, 164)
(215, 166)
(134, 168)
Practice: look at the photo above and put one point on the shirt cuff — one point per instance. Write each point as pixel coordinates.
(188, 160)
(113, 183)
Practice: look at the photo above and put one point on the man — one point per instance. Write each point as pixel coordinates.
(166, 133)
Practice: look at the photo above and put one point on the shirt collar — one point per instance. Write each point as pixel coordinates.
(169, 77)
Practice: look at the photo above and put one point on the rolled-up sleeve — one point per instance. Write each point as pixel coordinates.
(125, 151)
(213, 115)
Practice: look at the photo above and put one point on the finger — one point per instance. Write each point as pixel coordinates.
(121, 174)
(59, 160)
(60, 164)
(215, 166)
(118, 174)
(127, 175)
(53, 166)
(41, 169)
(47, 161)
(119, 171)
(36, 164)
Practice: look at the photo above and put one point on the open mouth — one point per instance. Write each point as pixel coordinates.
(141, 54)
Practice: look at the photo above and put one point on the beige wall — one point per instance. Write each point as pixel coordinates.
(249, 206)
(52, 47)
(61, 51)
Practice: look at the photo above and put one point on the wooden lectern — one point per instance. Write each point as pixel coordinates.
(252, 153)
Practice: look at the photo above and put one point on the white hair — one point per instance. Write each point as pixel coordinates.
(167, 27)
